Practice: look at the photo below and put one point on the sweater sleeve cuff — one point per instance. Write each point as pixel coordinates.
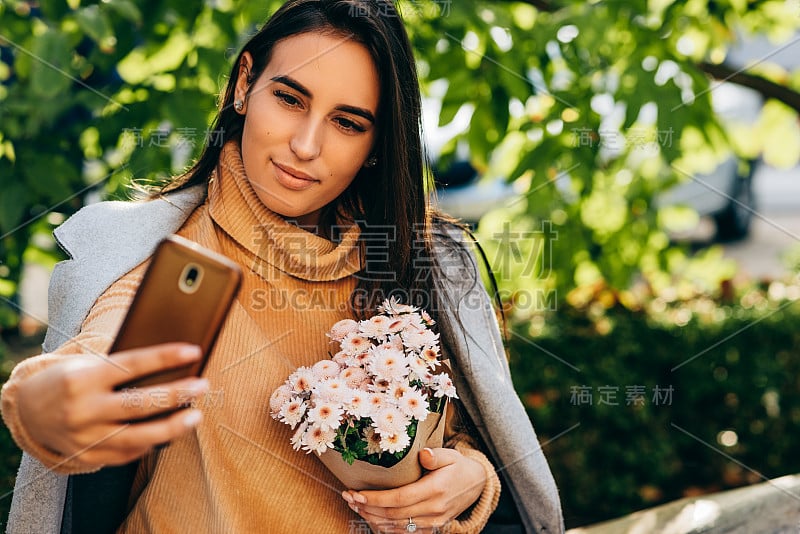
(475, 518)
(52, 460)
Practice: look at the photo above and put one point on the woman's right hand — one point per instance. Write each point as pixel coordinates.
(72, 407)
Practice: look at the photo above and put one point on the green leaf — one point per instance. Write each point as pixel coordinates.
(126, 9)
(49, 72)
(94, 23)
(448, 112)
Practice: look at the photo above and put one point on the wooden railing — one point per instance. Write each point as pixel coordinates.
(772, 507)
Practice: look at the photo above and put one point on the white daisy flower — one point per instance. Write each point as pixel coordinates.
(418, 366)
(342, 328)
(392, 306)
(414, 321)
(278, 398)
(318, 439)
(414, 404)
(353, 376)
(397, 324)
(342, 359)
(361, 360)
(333, 390)
(395, 442)
(395, 342)
(375, 327)
(325, 369)
(376, 401)
(431, 356)
(427, 318)
(292, 412)
(397, 389)
(380, 385)
(326, 415)
(354, 344)
(390, 420)
(443, 386)
(297, 439)
(358, 405)
(388, 363)
(302, 380)
(418, 339)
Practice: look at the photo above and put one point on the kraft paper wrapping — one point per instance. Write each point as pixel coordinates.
(365, 476)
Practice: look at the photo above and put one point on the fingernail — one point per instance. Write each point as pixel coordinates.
(198, 386)
(430, 451)
(190, 352)
(192, 418)
(353, 507)
(360, 498)
(346, 496)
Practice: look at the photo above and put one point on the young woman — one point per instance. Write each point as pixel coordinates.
(317, 192)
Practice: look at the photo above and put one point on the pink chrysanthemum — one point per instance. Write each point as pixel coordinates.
(326, 415)
(392, 306)
(354, 344)
(390, 420)
(297, 438)
(354, 377)
(302, 380)
(395, 442)
(358, 405)
(340, 330)
(292, 412)
(331, 390)
(375, 327)
(419, 339)
(278, 398)
(388, 363)
(325, 369)
(397, 389)
(318, 439)
(443, 386)
(414, 404)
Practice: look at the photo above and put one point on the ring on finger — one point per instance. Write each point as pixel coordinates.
(411, 526)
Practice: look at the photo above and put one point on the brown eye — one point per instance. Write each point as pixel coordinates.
(286, 98)
(350, 126)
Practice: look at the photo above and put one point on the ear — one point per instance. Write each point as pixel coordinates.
(243, 80)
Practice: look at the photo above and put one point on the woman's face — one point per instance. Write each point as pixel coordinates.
(309, 122)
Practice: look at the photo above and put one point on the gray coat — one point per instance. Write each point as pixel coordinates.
(106, 240)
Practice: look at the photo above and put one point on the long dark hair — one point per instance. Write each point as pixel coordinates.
(388, 200)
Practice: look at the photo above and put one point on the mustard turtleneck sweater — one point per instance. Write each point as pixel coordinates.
(237, 472)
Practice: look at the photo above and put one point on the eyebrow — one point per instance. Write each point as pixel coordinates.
(300, 88)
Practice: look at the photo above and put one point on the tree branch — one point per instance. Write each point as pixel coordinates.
(767, 88)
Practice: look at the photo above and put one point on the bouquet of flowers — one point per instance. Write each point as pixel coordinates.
(377, 402)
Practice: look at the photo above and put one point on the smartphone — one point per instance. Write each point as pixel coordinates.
(184, 296)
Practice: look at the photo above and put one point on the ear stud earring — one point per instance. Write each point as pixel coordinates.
(238, 105)
(371, 162)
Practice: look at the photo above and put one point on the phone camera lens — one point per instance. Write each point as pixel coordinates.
(191, 277)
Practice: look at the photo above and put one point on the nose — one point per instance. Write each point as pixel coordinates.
(306, 143)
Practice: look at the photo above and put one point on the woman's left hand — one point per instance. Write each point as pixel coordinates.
(453, 483)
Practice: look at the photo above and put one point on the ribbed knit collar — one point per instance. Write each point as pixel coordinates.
(236, 208)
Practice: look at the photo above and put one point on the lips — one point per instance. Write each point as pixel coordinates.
(292, 178)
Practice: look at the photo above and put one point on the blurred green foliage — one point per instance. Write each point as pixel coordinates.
(96, 94)
(725, 414)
